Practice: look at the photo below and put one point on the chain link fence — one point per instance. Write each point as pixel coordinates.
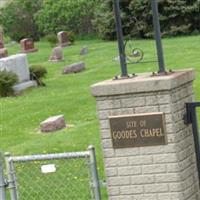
(2, 182)
(64, 176)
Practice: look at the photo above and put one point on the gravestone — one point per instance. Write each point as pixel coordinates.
(1, 40)
(18, 64)
(63, 39)
(74, 68)
(1, 35)
(27, 46)
(148, 150)
(1, 45)
(53, 123)
(84, 51)
(56, 55)
(3, 53)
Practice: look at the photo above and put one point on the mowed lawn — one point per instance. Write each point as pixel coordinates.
(70, 94)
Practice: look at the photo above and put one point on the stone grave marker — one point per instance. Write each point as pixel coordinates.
(53, 123)
(57, 54)
(18, 64)
(84, 51)
(63, 39)
(1, 45)
(3, 52)
(74, 68)
(1, 40)
(27, 45)
(1, 35)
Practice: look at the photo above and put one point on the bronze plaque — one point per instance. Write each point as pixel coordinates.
(138, 130)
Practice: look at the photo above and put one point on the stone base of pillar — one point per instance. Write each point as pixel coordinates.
(160, 172)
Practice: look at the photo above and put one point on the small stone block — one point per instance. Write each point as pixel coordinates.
(24, 85)
(74, 68)
(84, 51)
(53, 123)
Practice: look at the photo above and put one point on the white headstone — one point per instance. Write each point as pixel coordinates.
(17, 64)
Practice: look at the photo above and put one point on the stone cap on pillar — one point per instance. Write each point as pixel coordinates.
(144, 82)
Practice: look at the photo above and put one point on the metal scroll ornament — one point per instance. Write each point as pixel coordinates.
(133, 55)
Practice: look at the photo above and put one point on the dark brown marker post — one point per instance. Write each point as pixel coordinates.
(120, 39)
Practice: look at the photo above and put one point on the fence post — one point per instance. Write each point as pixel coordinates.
(2, 181)
(11, 177)
(93, 168)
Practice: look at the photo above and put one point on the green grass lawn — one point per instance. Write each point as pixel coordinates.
(70, 94)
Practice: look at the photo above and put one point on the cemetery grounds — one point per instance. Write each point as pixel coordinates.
(70, 95)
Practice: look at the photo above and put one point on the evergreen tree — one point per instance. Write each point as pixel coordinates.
(179, 17)
(176, 18)
(105, 18)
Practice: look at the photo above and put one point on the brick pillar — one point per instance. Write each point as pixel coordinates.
(162, 172)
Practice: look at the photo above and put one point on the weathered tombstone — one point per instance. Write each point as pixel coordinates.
(63, 39)
(18, 64)
(53, 124)
(56, 55)
(1, 45)
(74, 68)
(84, 51)
(1, 35)
(3, 53)
(27, 46)
(1, 40)
(149, 151)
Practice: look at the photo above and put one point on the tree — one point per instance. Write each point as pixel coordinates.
(17, 19)
(179, 17)
(68, 15)
(176, 17)
(105, 21)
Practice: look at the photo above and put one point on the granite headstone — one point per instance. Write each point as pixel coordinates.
(57, 55)
(27, 45)
(3, 52)
(74, 68)
(18, 64)
(63, 39)
(1, 40)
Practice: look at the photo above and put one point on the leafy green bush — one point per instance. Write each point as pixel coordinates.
(52, 39)
(17, 19)
(67, 15)
(7, 81)
(37, 73)
(71, 36)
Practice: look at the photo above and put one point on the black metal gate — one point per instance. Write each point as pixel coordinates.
(191, 118)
